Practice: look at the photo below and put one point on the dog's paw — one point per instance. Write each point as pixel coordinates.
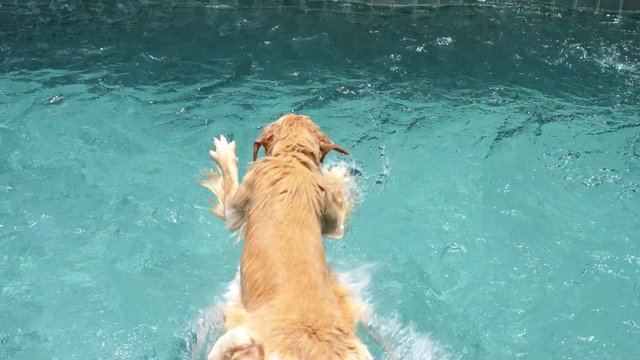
(216, 185)
(339, 176)
(223, 182)
(224, 154)
(336, 233)
(339, 188)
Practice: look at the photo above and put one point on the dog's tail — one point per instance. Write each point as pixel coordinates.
(253, 351)
(237, 344)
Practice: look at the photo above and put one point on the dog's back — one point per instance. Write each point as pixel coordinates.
(289, 290)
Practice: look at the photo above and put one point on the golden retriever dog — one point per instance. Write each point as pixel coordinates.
(291, 305)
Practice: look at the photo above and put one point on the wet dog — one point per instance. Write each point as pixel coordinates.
(291, 305)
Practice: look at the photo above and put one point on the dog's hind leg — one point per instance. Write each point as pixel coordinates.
(237, 344)
(224, 183)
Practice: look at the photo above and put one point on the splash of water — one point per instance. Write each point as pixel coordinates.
(396, 339)
(210, 324)
(402, 341)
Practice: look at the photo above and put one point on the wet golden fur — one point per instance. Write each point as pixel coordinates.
(291, 306)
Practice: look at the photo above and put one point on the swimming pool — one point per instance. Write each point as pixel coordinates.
(498, 150)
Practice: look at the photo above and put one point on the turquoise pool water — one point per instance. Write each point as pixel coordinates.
(498, 151)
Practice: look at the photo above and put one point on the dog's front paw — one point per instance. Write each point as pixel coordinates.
(224, 154)
(339, 187)
(224, 182)
(339, 173)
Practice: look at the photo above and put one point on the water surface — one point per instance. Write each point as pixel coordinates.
(498, 149)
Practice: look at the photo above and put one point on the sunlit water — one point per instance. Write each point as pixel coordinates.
(497, 151)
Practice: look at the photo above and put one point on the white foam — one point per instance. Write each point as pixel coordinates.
(397, 340)
(210, 325)
(402, 341)
(357, 280)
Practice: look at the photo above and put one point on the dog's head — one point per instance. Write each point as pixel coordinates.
(295, 133)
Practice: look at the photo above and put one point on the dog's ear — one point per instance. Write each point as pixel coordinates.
(265, 139)
(327, 145)
(256, 148)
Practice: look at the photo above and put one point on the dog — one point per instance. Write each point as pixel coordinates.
(291, 305)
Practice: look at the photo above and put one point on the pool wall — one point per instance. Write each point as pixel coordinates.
(126, 6)
(597, 5)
